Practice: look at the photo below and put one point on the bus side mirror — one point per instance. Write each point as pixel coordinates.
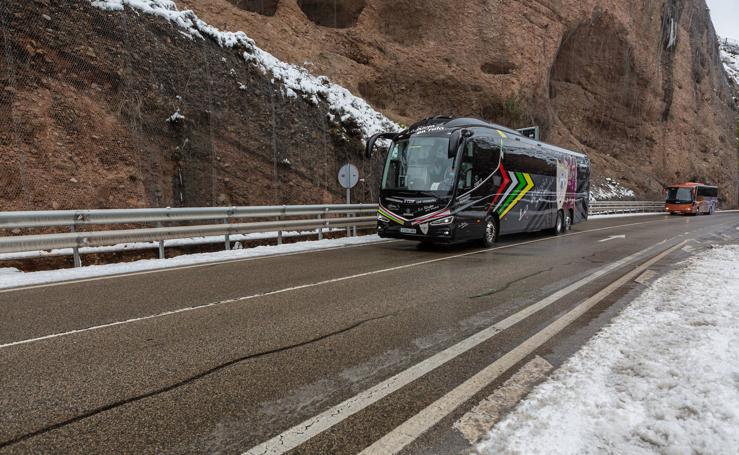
(455, 140)
(373, 140)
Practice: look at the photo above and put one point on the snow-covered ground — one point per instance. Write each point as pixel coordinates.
(294, 80)
(236, 240)
(10, 278)
(622, 215)
(662, 378)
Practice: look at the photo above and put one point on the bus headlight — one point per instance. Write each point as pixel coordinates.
(382, 219)
(443, 221)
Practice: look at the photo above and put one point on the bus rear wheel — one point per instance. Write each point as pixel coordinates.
(491, 233)
(559, 225)
(568, 220)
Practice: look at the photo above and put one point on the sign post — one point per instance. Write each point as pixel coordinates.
(348, 178)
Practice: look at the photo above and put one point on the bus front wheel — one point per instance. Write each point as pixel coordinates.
(491, 233)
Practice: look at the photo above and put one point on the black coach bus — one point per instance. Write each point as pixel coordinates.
(458, 179)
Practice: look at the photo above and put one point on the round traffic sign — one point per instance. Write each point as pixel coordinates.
(348, 176)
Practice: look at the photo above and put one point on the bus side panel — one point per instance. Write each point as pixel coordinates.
(533, 170)
(533, 208)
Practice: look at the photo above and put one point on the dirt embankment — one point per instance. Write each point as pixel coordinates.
(87, 99)
(637, 85)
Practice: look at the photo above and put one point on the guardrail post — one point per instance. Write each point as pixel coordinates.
(161, 244)
(279, 233)
(76, 250)
(320, 228)
(228, 237)
(354, 227)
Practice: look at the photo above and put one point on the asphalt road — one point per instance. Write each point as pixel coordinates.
(223, 357)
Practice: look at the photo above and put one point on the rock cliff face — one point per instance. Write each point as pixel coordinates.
(636, 84)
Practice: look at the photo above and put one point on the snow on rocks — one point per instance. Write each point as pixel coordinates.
(610, 190)
(174, 118)
(353, 111)
(662, 378)
(730, 57)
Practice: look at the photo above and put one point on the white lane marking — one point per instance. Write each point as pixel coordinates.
(231, 261)
(477, 423)
(414, 427)
(192, 266)
(302, 432)
(279, 291)
(613, 237)
(646, 277)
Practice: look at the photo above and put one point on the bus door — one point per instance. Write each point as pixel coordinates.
(476, 185)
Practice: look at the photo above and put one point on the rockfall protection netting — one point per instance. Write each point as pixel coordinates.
(109, 109)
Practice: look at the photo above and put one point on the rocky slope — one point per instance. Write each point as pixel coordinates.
(637, 85)
(106, 106)
(86, 94)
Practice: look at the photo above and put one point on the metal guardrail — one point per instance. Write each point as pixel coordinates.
(617, 207)
(226, 221)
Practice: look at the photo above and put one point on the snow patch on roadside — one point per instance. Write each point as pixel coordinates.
(12, 280)
(351, 110)
(8, 270)
(662, 378)
(174, 243)
(623, 215)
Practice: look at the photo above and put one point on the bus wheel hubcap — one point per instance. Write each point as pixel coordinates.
(490, 231)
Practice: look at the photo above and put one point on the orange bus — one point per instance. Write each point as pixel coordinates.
(691, 199)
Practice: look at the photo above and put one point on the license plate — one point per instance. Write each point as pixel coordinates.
(407, 231)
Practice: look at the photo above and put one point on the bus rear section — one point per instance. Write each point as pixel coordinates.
(691, 199)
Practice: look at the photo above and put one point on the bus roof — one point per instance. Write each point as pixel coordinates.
(445, 122)
(691, 185)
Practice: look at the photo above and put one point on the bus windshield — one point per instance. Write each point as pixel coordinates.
(419, 164)
(679, 195)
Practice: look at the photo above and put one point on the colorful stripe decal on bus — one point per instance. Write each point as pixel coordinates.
(431, 217)
(390, 215)
(416, 221)
(529, 184)
(511, 183)
(514, 187)
(506, 179)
